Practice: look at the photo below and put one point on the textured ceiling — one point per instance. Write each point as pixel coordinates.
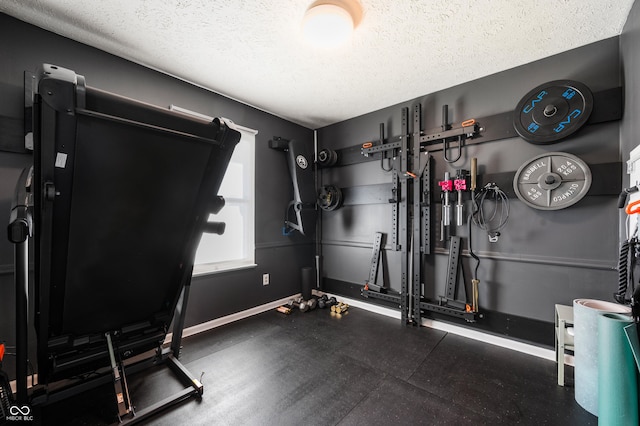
(402, 49)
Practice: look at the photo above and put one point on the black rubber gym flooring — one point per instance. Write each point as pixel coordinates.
(359, 368)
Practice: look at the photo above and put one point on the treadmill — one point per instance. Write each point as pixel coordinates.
(115, 204)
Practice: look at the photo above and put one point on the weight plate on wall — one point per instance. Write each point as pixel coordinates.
(552, 181)
(327, 157)
(553, 111)
(330, 198)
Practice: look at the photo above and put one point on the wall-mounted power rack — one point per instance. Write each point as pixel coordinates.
(411, 214)
(411, 192)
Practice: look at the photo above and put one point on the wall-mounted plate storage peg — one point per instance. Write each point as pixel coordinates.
(552, 181)
(553, 111)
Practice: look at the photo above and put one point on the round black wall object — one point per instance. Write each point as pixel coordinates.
(552, 181)
(330, 198)
(553, 111)
(327, 157)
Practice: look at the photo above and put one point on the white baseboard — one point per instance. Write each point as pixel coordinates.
(381, 310)
(209, 325)
(462, 331)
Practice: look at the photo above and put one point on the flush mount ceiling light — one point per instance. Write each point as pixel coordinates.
(330, 23)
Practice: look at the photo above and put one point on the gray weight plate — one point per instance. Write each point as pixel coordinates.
(552, 181)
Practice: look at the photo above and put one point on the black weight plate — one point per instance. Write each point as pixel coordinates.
(327, 157)
(553, 111)
(323, 157)
(333, 159)
(330, 198)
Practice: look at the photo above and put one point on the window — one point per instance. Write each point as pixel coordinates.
(235, 248)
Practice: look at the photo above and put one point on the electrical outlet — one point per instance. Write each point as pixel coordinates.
(265, 279)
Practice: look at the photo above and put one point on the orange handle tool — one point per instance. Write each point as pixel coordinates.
(633, 207)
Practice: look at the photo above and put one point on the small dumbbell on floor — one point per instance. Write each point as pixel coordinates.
(298, 303)
(325, 302)
(284, 309)
(312, 303)
(340, 308)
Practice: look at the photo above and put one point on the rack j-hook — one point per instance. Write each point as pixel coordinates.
(445, 142)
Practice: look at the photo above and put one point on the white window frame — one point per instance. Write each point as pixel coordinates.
(248, 203)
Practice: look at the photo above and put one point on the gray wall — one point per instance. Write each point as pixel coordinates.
(542, 257)
(24, 47)
(629, 41)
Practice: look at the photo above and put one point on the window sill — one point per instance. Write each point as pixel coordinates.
(208, 269)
